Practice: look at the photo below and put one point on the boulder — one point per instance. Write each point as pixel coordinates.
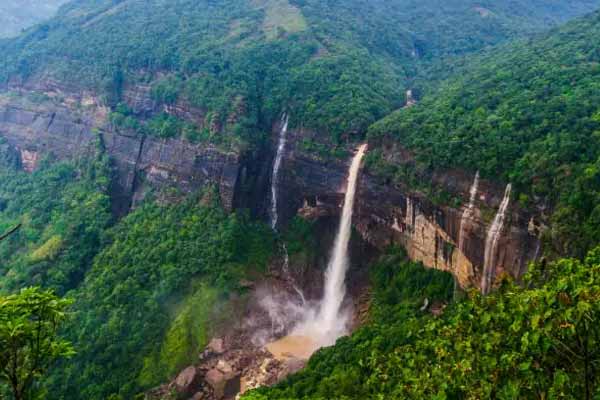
(224, 385)
(188, 381)
(224, 367)
(216, 346)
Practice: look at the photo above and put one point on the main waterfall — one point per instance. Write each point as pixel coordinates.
(491, 243)
(322, 324)
(276, 166)
(331, 318)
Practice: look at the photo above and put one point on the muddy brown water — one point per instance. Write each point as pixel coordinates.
(300, 347)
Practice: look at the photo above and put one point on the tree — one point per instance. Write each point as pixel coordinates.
(29, 342)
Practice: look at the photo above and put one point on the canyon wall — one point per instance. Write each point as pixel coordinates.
(68, 124)
(64, 125)
(388, 214)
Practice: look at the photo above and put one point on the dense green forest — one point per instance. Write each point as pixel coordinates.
(338, 65)
(173, 267)
(64, 208)
(149, 289)
(534, 340)
(526, 113)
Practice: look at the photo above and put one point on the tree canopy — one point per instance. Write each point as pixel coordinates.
(29, 341)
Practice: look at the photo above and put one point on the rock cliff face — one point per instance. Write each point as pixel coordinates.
(46, 118)
(67, 125)
(387, 214)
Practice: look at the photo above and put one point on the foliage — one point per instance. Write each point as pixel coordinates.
(530, 341)
(525, 113)
(137, 301)
(29, 342)
(337, 65)
(185, 338)
(300, 237)
(64, 208)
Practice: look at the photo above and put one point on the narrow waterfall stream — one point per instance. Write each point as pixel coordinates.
(274, 213)
(468, 212)
(276, 166)
(491, 243)
(322, 325)
(466, 216)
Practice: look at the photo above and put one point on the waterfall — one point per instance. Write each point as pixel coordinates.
(468, 213)
(491, 243)
(274, 190)
(321, 324)
(330, 322)
(276, 166)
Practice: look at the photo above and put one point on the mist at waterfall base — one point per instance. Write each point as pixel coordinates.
(312, 325)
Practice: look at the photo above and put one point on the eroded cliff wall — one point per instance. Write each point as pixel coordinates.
(69, 125)
(392, 214)
(39, 121)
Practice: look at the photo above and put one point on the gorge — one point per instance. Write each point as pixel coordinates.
(323, 324)
(299, 199)
(445, 238)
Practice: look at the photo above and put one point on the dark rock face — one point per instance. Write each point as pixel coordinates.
(71, 129)
(387, 214)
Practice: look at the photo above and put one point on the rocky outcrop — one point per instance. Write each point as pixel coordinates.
(389, 214)
(187, 382)
(71, 126)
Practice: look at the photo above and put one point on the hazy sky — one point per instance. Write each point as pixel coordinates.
(18, 14)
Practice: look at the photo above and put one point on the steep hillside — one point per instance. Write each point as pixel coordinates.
(528, 114)
(338, 65)
(138, 140)
(17, 15)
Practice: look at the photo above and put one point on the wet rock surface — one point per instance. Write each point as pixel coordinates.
(388, 214)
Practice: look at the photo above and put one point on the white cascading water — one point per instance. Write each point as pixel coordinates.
(276, 166)
(318, 324)
(330, 322)
(468, 213)
(491, 242)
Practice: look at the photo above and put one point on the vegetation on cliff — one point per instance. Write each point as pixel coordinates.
(133, 312)
(528, 113)
(63, 209)
(172, 267)
(339, 65)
